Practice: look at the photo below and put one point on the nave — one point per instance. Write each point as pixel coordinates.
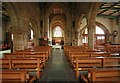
(87, 32)
(58, 69)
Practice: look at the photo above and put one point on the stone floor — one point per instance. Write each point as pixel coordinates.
(57, 69)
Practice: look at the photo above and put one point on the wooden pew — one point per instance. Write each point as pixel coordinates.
(42, 56)
(87, 54)
(111, 62)
(13, 55)
(31, 64)
(39, 49)
(100, 54)
(103, 75)
(15, 76)
(87, 63)
(5, 63)
(73, 56)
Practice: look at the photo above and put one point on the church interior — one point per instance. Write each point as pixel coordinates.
(60, 42)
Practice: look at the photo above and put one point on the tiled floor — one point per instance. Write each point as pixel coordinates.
(57, 69)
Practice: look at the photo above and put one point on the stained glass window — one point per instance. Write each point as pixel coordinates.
(57, 32)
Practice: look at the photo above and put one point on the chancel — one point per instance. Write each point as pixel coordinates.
(60, 42)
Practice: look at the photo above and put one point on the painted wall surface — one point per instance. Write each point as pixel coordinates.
(83, 24)
(3, 30)
(108, 23)
(1, 33)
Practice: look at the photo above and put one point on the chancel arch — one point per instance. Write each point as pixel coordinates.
(58, 10)
(57, 35)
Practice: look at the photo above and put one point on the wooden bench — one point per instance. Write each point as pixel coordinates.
(73, 56)
(5, 63)
(111, 62)
(45, 50)
(42, 56)
(30, 64)
(103, 75)
(87, 54)
(16, 76)
(13, 55)
(87, 63)
(100, 54)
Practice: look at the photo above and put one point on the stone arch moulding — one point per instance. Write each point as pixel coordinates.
(65, 10)
(12, 12)
(57, 24)
(79, 21)
(98, 24)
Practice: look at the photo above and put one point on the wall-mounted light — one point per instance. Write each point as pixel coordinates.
(115, 33)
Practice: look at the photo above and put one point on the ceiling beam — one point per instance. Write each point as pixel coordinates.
(107, 8)
(108, 16)
(110, 8)
(113, 12)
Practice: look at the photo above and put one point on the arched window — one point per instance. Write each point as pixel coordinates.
(99, 30)
(99, 36)
(57, 32)
(31, 34)
(12, 36)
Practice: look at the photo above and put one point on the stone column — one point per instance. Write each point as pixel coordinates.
(80, 39)
(42, 22)
(91, 31)
(91, 23)
(68, 31)
(118, 30)
(26, 39)
(18, 41)
(46, 26)
(36, 38)
(50, 39)
(77, 38)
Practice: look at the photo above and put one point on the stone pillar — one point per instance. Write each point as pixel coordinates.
(91, 16)
(42, 23)
(77, 38)
(26, 39)
(118, 30)
(18, 41)
(68, 31)
(36, 38)
(46, 26)
(80, 39)
(50, 39)
(91, 31)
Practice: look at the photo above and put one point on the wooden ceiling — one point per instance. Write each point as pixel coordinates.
(5, 15)
(109, 10)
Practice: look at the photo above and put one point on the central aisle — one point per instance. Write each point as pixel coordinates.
(57, 69)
